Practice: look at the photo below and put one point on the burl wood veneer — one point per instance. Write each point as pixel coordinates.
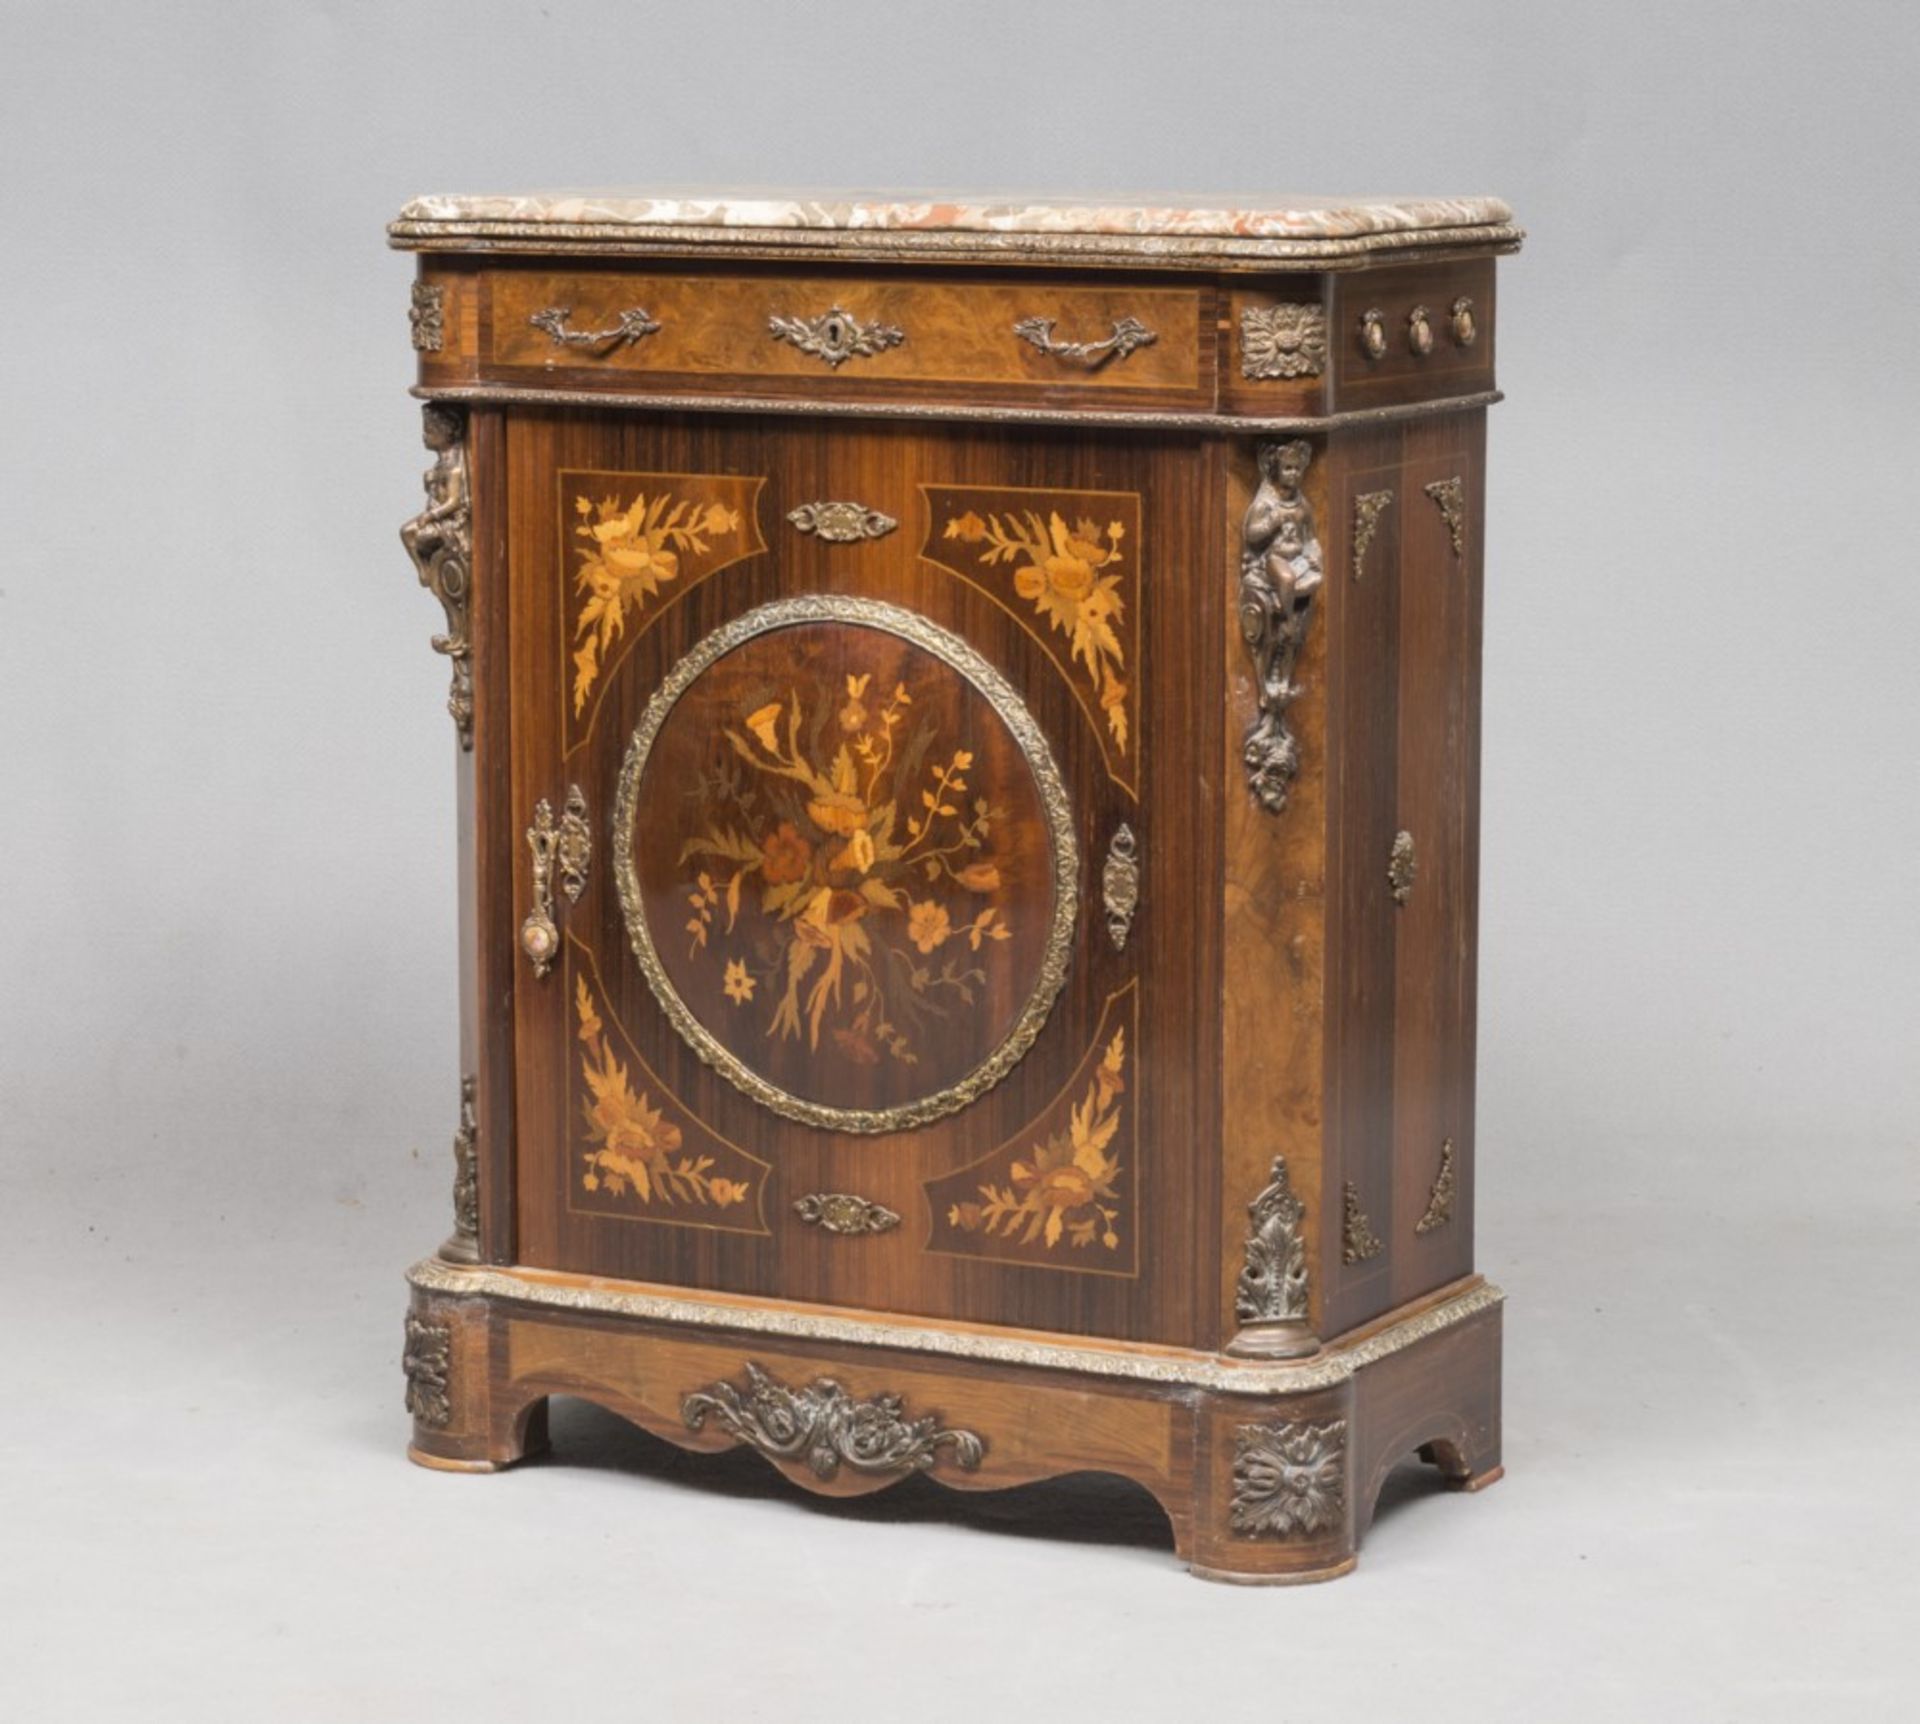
(968, 773)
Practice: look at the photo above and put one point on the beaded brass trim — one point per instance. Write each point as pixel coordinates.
(1172, 251)
(1249, 425)
(999, 694)
(1167, 1367)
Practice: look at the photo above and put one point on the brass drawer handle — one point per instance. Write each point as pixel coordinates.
(1373, 334)
(1128, 333)
(569, 844)
(1464, 330)
(1420, 331)
(629, 326)
(835, 336)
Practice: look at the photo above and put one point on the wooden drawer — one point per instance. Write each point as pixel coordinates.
(836, 335)
(1456, 357)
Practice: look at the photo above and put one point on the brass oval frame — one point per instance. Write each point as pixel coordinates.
(1012, 712)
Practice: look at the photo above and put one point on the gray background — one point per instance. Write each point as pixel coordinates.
(227, 1056)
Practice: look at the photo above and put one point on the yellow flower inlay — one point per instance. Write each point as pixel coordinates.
(632, 1144)
(852, 890)
(1063, 1188)
(1064, 573)
(631, 552)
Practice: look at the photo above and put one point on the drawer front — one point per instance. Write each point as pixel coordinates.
(852, 993)
(1403, 335)
(860, 338)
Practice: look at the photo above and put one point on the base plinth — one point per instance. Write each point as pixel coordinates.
(1268, 1469)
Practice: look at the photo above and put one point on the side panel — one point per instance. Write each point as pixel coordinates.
(1404, 622)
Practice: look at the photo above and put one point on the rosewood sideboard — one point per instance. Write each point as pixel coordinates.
(967, 726)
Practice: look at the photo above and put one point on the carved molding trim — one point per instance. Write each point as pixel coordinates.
(826, 1427)
(440, 541)
(568, 844)
(1272, 1287)
(1128, 333)
(1280, 572)
(842, 523)
(1440, 1199)
(1289, 1480)
(1283, 341)
(1368, 507)
(1450, 497)
(464, 1246)
(815, 1324)
(1358, 1241)
(1403, 868)
(426, 317)
(836, 336)
(842, 1212)
(1120, 884)
(428, 1362)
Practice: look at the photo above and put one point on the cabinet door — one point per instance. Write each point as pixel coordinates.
(855, 975)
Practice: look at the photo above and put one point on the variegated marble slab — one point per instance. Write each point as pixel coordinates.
(1301, 227)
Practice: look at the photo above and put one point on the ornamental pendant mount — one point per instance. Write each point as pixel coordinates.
(463, 1246)
(440, 541)
(1280, 572)
(1270, 1298)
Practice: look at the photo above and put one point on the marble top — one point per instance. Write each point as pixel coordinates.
(1301, 228)
(1279, 218)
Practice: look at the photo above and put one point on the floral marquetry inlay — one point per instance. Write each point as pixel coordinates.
(638, 1153)
(852, 864)
(1066, 563)
(634, 541)
(1062, 1192)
